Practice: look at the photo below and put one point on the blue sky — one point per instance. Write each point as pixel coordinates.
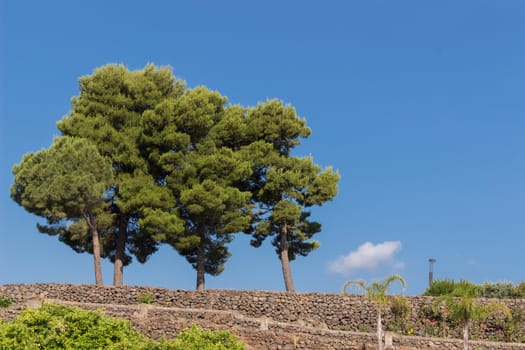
(418, 104)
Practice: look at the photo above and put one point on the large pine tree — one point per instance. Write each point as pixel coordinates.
(66, 185)
(198, 166)
(191, 171)
(109, 112)
(284, 186)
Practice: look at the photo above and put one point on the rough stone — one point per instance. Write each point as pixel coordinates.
(264, 320)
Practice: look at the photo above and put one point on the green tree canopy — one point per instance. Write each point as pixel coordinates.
(190, 170)
(66, 185)
(285, 186)
(194, 160)
(109, 111)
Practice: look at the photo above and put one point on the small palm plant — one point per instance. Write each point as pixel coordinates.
(464, 308)
(377, 293)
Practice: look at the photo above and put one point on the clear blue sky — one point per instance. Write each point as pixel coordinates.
(419, 105)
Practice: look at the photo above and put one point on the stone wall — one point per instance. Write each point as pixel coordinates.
(264, 320)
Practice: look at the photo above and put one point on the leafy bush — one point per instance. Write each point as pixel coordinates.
(400, 309)
(497, 290)
(451, 287)
(513, 326)
(196, 338)
(5, 301)
(440, 287)
(145, 298)
(465, 288)
(64, 327)
(519, 292)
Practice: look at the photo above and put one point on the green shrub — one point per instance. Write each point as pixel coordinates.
(465, 288)
(5, 301)
(499, 290)
(65, 327)
(145, 298)
(440, 287)
(519, 291)
(195, 338)
(400, 309)
(450, 287)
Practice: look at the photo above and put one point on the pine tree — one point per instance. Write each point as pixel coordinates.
(109, 111)
(285, 186)
(193, 158)
(66, 185)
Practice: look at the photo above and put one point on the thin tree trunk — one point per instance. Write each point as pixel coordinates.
(201, 261)
(96, 248)
(285, 261)
(120, 251)
(465, 335)
(379, 331)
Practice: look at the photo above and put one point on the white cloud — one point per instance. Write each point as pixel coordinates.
(368, 256)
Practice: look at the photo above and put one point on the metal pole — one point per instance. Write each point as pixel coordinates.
(431, 262)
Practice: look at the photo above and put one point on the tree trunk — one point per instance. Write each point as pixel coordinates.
(96, 248)
(379, 331)
(120, 251)
(201, 261)
(285, 261)
(465, 335)
(96, 257)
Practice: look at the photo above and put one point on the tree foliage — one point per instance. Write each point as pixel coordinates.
(190, 155)
(191, 170)
(66, 185)
(109, 112)
(285, 186)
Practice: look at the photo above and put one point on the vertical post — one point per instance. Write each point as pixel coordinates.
(431, 262)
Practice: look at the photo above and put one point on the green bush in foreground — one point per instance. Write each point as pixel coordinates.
(63, 327)
(197, 339)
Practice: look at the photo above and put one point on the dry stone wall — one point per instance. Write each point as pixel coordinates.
(264, 320)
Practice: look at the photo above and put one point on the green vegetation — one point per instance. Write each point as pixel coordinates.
(185, 169)
(63, 327)
(500, 290)
(458, 306)
(400, 309)
(464, 308)
(285, 186)
(65, 184)
(197, 339)
(145, 298)
(5, 301)
(377, 292)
